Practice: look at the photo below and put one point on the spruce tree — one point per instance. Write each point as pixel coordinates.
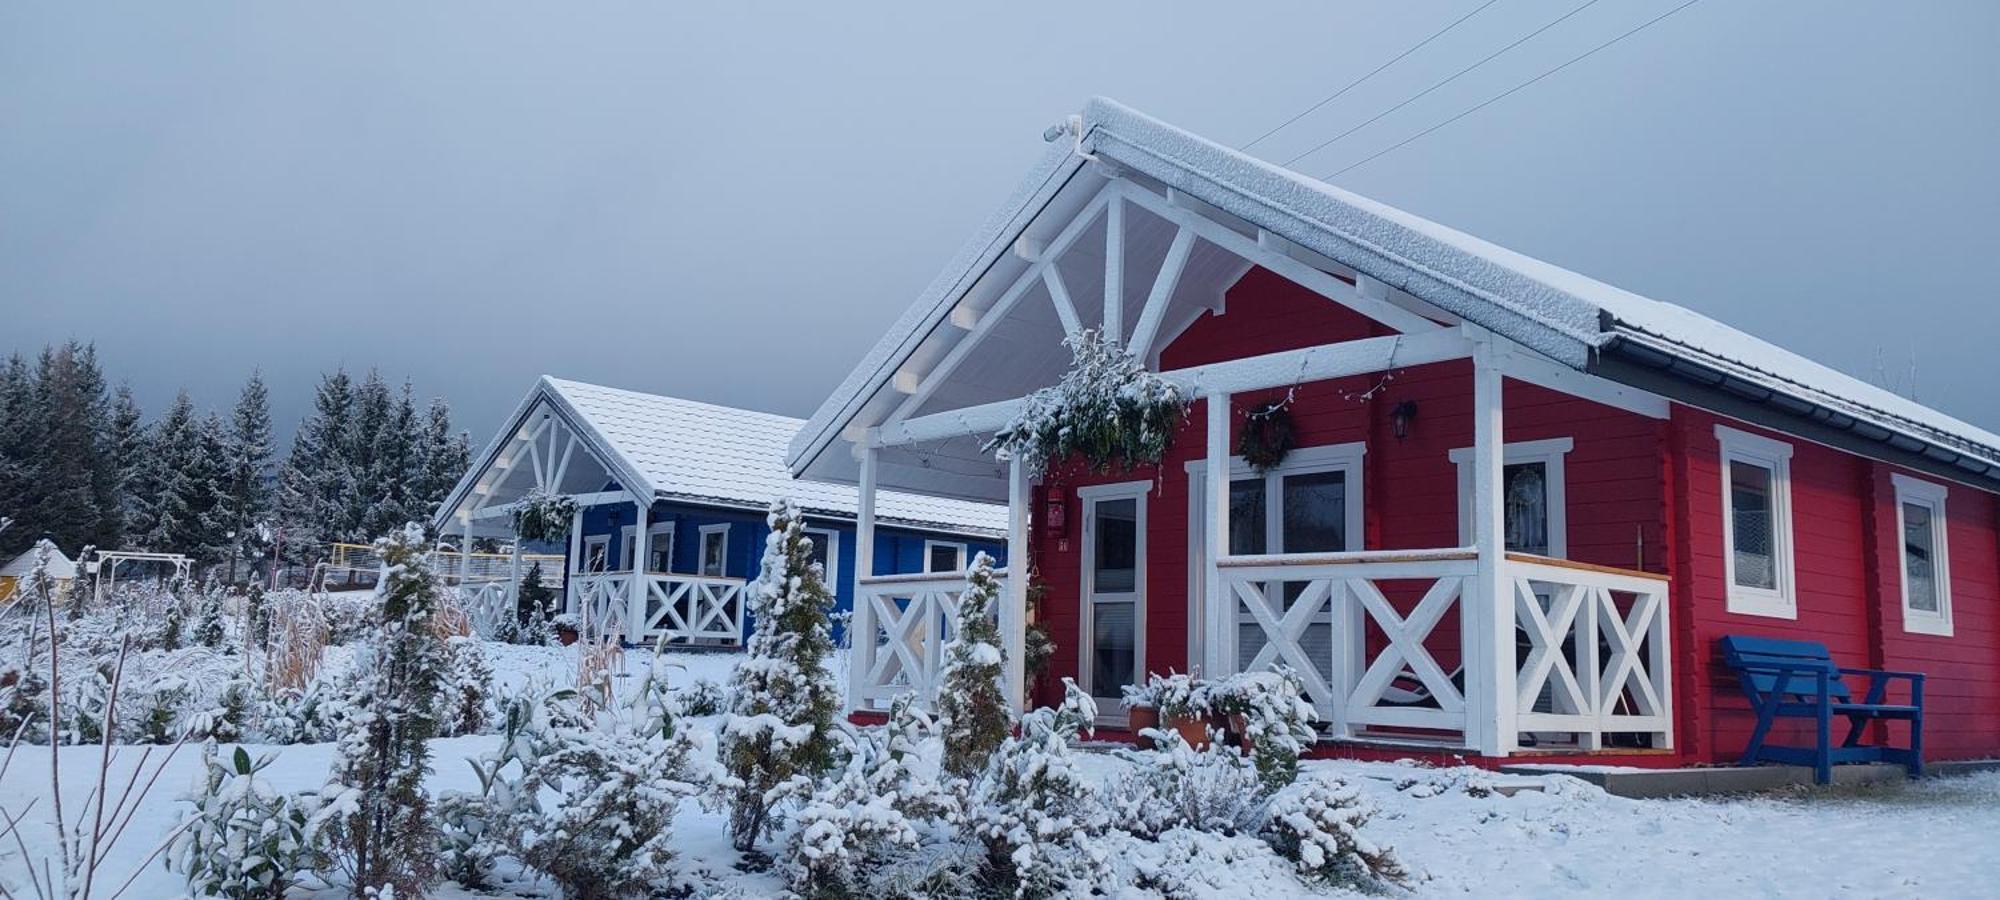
(168, 492)
(389, 840)
(443, 456)
(318, 476)
(20, 438)
(208, 630)
(972, 711)
(393, 468)
(778, 736)
(247, 501)
(127, 445)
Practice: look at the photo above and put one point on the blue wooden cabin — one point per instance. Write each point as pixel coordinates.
(696, 481)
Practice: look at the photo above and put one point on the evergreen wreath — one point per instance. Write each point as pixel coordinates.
(542, 516)
(1267, 437)
(1107, 409)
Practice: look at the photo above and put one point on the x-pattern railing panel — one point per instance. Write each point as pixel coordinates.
(911, 623)
(1598, 643)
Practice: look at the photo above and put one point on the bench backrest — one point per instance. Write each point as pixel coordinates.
(1743, 652)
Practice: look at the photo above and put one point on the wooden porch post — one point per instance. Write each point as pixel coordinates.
(1487, 605)
(1219, 613)
(635, 611)
(1014, 603)
(465, 551)
(575, 560)
(861, 623)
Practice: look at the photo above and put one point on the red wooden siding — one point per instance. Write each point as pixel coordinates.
(1641, 493)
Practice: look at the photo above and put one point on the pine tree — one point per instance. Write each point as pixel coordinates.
(778, 736)
(374, 412)
(389, 840)
(247, 503)
(71, 485)
(972, 711)
(208, 483)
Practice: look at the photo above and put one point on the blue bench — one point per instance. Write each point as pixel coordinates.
(1798, 679)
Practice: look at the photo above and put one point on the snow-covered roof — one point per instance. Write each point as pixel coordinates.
(1571, 318)
(60, 565)
(701, 452)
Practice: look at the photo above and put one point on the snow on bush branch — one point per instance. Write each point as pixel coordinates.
(1107, 409)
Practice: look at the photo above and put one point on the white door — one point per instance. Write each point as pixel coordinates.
(1114, 593)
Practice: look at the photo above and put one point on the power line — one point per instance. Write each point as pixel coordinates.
(1377, 71)
(1455, 76)
(1510, 91)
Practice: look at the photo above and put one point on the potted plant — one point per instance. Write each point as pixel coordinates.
(1181, 703)
(1141, 713)
(543, 516)
(566, 627)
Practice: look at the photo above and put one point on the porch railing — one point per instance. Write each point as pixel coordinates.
(682, 608)
(1372, 636)
(897, 635)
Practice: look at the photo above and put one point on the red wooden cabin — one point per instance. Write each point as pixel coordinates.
(1521, 508)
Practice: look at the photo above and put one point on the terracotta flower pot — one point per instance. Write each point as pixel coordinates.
(1193, 730)
(1138, 719)
(566, 636)
(1239, 730)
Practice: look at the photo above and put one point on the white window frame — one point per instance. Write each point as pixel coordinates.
(1137, 491)
(830, 539)
(601, 543)
(640, 554)
(1930, 495)
(957, 546)
(701, 550)
(1549, 452)
(1776, 456)
(1345, 458)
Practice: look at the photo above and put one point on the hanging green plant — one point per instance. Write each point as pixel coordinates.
(1107, 409)
(1267, 436)
(542, 516)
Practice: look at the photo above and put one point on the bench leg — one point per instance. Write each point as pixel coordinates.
(1766, 714)
(1823, 758)
(1916, 767)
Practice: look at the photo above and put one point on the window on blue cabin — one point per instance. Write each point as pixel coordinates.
(715, 550)
(940, 556)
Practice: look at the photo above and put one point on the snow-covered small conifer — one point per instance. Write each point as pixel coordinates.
(971, 710)
(385, 837)
(1034, 808)
(77, 596)
(462, 705)
(778, 736)
(208, 627)
(1318, 826)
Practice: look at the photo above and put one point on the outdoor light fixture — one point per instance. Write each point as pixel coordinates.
(1400, 416)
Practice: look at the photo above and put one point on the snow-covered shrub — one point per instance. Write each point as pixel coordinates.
(1318, 826)
(244, 840)
(608, 833)
(385, 837)
(463, 704)
(875, 812)
(1275, 717)
(618, 776)
(702, 698)
(1107, 408)
(972, 711)
(174, 620)
(76, 597)
(778, 736)
(256, 616)
(1213, 790)
(1035, 811)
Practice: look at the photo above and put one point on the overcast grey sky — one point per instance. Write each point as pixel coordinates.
(732, 202)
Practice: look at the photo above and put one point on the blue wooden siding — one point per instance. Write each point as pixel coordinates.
(897, 550)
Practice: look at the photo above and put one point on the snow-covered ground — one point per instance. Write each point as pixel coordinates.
(1552, 836)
